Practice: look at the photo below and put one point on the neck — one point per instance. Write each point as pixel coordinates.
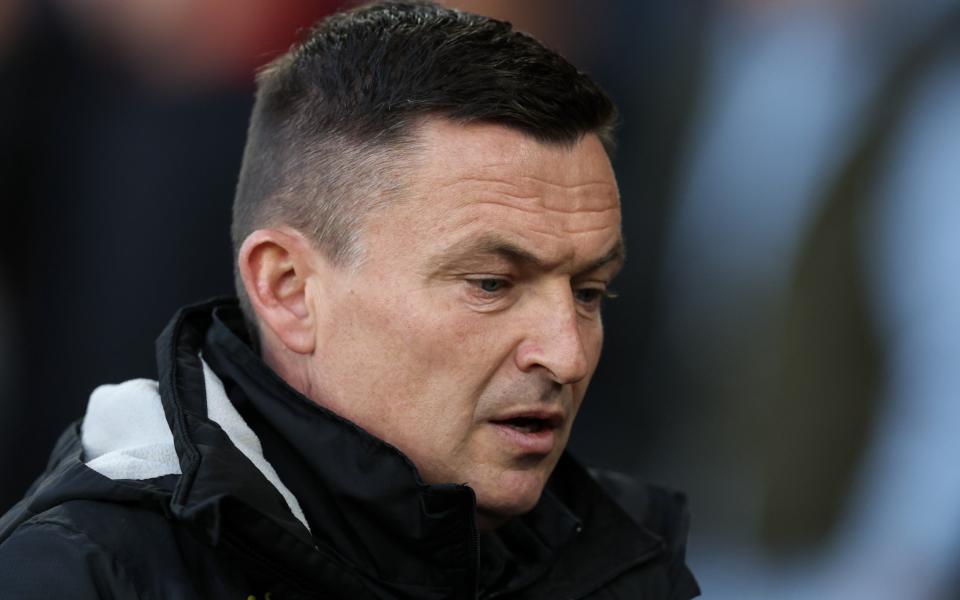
(290, 366)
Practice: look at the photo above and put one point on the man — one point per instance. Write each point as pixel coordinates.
(425, 225)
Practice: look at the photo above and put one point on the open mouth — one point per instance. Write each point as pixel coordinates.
(526, 424)
(530, 432)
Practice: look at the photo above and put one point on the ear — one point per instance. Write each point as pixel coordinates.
(275, 265)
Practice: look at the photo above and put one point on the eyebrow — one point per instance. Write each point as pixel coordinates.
(495, 245)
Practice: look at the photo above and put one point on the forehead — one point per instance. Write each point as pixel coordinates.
(474, 180)
(453, 153)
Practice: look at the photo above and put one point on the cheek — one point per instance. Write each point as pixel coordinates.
(593, 345)
(415, 344)
(444, 335)
(592, 336)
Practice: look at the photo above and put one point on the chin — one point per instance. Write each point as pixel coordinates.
(515, 494)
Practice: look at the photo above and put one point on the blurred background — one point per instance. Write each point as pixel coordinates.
(784, 343)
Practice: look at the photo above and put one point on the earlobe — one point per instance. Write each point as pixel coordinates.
(275, 267)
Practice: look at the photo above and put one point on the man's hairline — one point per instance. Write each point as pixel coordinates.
(405, 150)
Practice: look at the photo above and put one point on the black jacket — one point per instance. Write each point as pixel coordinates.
(220, 481)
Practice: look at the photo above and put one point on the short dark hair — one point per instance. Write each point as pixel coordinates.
(334, 116)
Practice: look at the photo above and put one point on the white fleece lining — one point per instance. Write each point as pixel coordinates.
(221, 411)
(125, 434)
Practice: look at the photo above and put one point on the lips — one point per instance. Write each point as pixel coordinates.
(531, 431)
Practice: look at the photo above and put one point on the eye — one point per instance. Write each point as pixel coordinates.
(588, 295)
(490, 285)
(592, 297)
(489, 293)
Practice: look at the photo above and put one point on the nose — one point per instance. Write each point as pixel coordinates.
(555, 343)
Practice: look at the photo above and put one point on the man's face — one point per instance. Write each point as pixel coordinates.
(468, 334)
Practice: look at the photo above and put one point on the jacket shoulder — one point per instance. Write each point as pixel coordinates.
(48, 557)
(101, 549)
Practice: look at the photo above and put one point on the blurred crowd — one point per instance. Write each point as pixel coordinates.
(783, 344)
